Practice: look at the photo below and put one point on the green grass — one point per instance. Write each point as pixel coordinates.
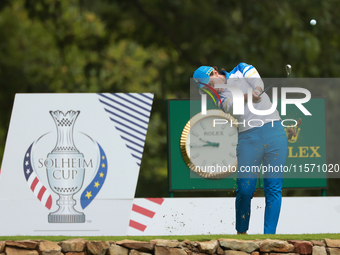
(179, 238)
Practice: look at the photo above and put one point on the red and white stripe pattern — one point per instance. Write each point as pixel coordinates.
(143, 211)
(34, 183)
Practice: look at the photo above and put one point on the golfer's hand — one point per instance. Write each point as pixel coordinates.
(256, 97)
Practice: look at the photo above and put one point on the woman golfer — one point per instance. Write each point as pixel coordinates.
(261, 139)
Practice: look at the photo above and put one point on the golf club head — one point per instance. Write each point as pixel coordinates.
(288, 69)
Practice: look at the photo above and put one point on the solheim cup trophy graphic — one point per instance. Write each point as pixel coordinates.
(65, 169)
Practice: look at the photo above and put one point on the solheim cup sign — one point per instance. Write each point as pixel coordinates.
(70, 161)
(65, 169)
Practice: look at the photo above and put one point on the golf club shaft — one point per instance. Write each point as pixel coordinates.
(271, 85)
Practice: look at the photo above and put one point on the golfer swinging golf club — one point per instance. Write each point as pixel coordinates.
(263, 143)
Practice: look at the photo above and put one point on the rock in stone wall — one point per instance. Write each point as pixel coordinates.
(73, 245)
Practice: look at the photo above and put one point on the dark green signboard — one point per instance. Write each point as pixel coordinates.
(305, 158)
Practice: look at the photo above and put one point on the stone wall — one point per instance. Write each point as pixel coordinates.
(171, 247)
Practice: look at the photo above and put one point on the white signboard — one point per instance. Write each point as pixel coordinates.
(216, 216)
(71, 163)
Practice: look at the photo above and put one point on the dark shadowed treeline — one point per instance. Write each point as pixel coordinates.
(49, 46)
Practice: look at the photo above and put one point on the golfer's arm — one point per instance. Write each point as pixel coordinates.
(254, 79)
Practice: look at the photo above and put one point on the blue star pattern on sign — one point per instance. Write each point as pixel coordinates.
(96, 184)
(27, 163)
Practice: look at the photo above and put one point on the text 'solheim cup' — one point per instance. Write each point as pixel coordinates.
(65, 169)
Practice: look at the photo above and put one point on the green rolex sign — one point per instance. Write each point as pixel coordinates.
(306, 156)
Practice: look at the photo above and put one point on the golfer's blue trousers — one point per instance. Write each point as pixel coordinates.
(267, 145)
